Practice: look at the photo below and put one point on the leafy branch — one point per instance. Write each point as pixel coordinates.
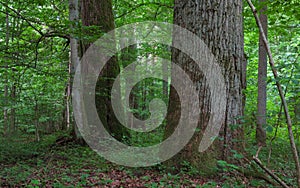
(22, 17)
(141, 5)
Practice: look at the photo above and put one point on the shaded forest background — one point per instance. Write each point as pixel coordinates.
(40, 145)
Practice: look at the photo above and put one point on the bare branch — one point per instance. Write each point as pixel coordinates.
(281, 93)
(258, 162)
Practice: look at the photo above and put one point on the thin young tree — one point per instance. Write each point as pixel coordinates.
(73, 63)
(5, 119)
(262, 83)
(281, 94)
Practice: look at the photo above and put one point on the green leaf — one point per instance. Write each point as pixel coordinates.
(269, 129)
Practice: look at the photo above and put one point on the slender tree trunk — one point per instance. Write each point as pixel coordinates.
(36, 120)
(74, 63)
(12, 115)
(128, 56)
(5, 118)
(12, 122)
(68, 97)
(74, 18)
(165, 73)
(262, 83)
(220, 25)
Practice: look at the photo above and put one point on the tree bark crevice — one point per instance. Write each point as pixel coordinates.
(220, 25)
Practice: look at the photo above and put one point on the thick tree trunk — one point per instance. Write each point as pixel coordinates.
(220, 25)
(262, 83)
(99, 15)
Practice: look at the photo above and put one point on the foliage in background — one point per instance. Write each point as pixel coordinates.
(35, 62)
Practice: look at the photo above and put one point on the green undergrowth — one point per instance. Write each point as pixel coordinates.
(25, 162)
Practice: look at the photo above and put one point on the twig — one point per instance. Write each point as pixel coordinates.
(20, 16)
(258, 150)
(50, 34)
(258, 162)
(285, 106)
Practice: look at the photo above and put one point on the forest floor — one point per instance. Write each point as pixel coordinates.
(24, 162)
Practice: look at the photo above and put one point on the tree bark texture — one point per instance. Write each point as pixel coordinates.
(5, 113)
(262, 83)
(219, 23)
(99, 15)
(73, 64)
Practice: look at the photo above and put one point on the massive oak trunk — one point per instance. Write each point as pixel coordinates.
(219, 23)
(98, 16)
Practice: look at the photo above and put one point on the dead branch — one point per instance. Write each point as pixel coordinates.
(276, 178)
(285, 106)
